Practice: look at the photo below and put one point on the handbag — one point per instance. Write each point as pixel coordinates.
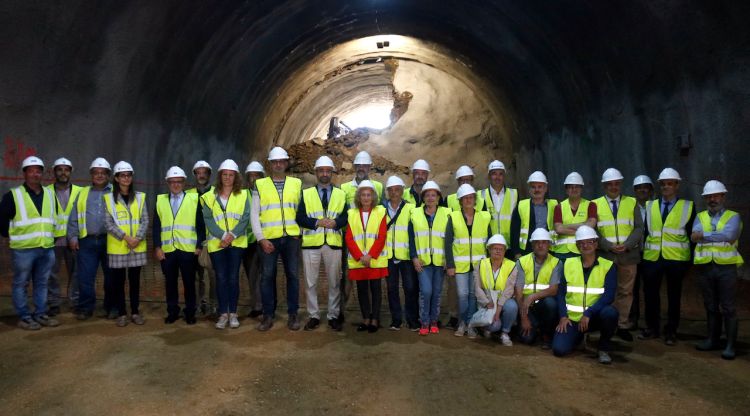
(484, 316)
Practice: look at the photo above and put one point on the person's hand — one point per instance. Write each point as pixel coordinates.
(365, 260)
(525, 326)
(132, 241)
(527, 302)
(73, 245)
(267, 246)
(159, 254)
(328, 223)
(228, 238)
(583, 325)
(696, 236)
(618, 248)
(198, 251)
(451, 272)
(490, 305)
(497, 314)
(417, 264)
(562, 326)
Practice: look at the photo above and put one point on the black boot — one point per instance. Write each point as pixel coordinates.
(731, 324)
(713, 325)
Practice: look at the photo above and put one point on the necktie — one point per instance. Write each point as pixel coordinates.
(175, 205)
(665, 210)
(614, 207)
(324, 199)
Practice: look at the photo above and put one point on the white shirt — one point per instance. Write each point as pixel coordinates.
(497, 198)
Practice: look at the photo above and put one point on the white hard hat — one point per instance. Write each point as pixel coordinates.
(611, 174)
(714, 187)
(363, 158)
(229, 164)
(32, 161)
(421, 164)
(574, 178)
(585, 232)
(537, 176)
(255, 167)
(175, 172)
(540, 234)
(496, 239)
(464, 190)
(100, 162)
(495, 164)
(641, 179)
(201, 164)
(277, 153)
(366, 184)
(464, 171)
(394, 181)
(63, 162)
(430, 185)
(325, 162)
(669, 173)
(123, 166)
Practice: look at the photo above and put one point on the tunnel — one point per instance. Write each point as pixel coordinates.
(554, 86)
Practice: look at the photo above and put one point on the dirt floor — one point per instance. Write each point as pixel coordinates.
(96, 368)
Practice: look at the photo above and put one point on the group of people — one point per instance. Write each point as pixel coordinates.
(553, 271)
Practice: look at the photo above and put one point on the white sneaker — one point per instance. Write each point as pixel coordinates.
(461, 329)
(505, 339)
(234, 323)
(472, 333)
(222, 322)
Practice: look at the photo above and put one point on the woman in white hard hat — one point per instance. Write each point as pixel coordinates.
(495, 281)
(127, 225)
(367, 260)
(226, 212)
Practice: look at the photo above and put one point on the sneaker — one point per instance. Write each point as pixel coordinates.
(29, 324)
(424, 330)
(452, 323)
(461, 330)
(222, 322)
(46, 320)
(413, 326)
(122, 321)
(312, 324)
(434, 328)
(137, 319)
(293, 323)
(234, 323)
(505, 340)
(395, 326)
(265, 324)
(472, 333)
(604, 358)
(670, 339)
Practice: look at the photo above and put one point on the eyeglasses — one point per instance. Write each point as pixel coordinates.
(587, 242)
(125, 175)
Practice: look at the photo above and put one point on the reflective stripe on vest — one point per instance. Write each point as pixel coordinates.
(365, 237)
(314, 209)
(350, 189)
(669, 238)
(581, 295)
(430, 241)
(277, 217)
(226, 218)
(127, 219)
(397, 239)
(566, 243)
(501, 220)
(469, 249)
(616, 231)
(178, 233)
(524, 213)
(488, 278)
(30, 228)
(535, 283)
(719, 252)
(62, 214)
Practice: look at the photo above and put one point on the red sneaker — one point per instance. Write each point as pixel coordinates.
(434, 328)
(424, 330)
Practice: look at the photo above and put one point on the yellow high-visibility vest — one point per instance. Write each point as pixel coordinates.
(501, 220)
(467, 248)
(30, 228)
(350, 189)
(430, 241)
(314, 209)
(488, 279)
(226, 217)
(397, 239)
(61, 217)
(532, 283)
(580, 295)
(365, 237)
(615, 230)
(278, 217)
(128, 219)
(719, 252)
(524, 213)
(455, 205)
(178, 232)
(668, 238)
(566, 243)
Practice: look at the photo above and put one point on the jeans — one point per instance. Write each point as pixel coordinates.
(226, 264)
(117, 291)
(173, 264)
(31, 265)
(543, 318)
(54, 286)
(507, 317)
(289, 250)
(467, 299)
(405, 270)
(605, 322)
(674, 271)
(91, 253)
(430, 289)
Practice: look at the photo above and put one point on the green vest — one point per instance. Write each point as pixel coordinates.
(721, 252)
(350, 189)
(566, 243)
(488, 279)
(455, 205)
(61, 219)
(178, 232)
(397, 239)
(30, 228)
(467, 248)
(128, 219)
(365, 237)
(501, 220)
(615, 230)
(226, 218)
(430, 241)
(250, 236)
(581, 295)
(524, 213)
(314, 209)
(195, 190)
(278, 217)
(668, 238)
(536, 283)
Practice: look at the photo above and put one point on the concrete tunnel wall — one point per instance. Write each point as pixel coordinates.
(571, 85)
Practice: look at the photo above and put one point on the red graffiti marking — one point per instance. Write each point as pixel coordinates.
(15, 152)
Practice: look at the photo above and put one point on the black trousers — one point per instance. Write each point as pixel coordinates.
(370, 298)
(176, 263)
(635, 307)
(118, 289)
(674, 272)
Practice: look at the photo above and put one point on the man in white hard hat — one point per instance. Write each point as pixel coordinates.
(717, 258)
(464, 174)
(65, 193)
(205, 275)
(643, 188)
(420, 172)
(666, 253)
(620, 229)
(322, 216)
(27, 217)
(536, 290)
(273, 217)
(499, 200)
(584, 298)
(251, 257)
(532, 214)
(178, 235)
(362, 166)
(87, 236)
(572, 213)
